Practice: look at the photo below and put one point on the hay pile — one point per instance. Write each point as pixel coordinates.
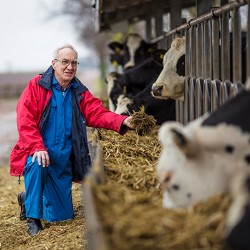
(142, 122)
(130, 203)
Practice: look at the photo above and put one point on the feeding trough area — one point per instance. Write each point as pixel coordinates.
(123, 200)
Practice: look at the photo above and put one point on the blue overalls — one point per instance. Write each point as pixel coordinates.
(48, 190)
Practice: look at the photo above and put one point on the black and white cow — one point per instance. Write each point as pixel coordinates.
(134, 51)
(170, 83)
(117, 86)
(238, 216)
(162, 110)
(199, 160)
(135, 79)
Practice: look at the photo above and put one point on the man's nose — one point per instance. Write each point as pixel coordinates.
(70, 66)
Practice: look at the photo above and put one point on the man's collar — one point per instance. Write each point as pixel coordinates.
(55, 82)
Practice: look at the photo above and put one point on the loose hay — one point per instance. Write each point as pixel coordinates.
(142, 122)
(130, 203)
(62, 235)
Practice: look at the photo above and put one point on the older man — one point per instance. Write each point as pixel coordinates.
(52, 151)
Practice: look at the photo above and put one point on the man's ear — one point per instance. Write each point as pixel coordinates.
(53, 63)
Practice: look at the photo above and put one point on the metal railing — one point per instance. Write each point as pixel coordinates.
(216, 59)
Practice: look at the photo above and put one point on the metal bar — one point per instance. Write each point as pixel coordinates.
(237, 67)
(175, 7)
(236, 88)
(216, 72)
(207, 51)
(159, 23)
(193, 51)
(207, 96)
(225, 91)
(213, 13)
(186, 100)
(187, 53)
(215, 94)
(198, 97)
(225, 47)
(199, 55)
(191, 99)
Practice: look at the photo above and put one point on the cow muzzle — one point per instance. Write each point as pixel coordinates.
(157, 90)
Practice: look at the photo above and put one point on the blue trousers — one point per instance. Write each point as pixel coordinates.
(48, 191)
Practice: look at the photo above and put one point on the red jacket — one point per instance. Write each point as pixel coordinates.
(31, 107)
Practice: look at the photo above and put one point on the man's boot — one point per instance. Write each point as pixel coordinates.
(21, 202)
(34, 226)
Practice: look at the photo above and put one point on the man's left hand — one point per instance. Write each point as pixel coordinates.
(128, 123)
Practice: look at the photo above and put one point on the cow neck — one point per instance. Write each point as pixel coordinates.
(150, 59)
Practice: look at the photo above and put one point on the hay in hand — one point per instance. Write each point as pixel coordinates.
(142, 122)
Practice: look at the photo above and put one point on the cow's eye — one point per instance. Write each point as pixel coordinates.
(229, 149)
(180, 67)
(175, 187)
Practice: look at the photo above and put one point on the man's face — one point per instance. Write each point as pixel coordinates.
(65, 66)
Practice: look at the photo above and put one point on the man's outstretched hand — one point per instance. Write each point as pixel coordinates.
(128, 123)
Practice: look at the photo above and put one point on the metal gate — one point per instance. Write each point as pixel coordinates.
(216, 59)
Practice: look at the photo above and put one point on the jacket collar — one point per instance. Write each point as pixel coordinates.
(47, 77)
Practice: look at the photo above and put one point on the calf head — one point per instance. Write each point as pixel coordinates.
(122, 103)
(197, 161)
(116, 59)
(133, 51)
(170, 82)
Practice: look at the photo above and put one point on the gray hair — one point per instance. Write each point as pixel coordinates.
(66, 46)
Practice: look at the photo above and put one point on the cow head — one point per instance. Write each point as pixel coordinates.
(122, 103)
(116, 59)
(170, 82)
(133, 51)
(197, 161)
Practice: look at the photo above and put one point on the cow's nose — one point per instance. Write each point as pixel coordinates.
(157, 90)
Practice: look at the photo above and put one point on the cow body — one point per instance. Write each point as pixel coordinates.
(135, 79)
(238, 216)
(161, 110)
(198, 160)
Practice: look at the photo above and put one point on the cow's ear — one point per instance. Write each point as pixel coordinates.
(184, 143)
(115, 46)
(159, 55)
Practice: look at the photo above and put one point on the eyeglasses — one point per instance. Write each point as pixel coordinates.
(66, 62)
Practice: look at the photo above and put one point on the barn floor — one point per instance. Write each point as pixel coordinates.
(65, 235)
